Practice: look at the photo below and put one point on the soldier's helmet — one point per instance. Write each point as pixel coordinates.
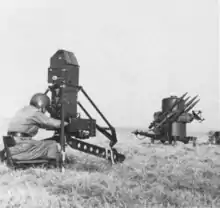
(40, 100)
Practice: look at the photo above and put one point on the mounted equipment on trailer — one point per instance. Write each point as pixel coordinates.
(170, 123)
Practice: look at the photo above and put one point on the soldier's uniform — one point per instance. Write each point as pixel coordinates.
(24, 126)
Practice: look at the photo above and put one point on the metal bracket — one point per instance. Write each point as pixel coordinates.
(106, 153)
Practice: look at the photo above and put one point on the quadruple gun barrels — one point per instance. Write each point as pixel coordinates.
(166, 114)
(173, 116)
(170, 124)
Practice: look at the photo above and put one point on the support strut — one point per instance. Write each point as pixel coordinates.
(112, 137)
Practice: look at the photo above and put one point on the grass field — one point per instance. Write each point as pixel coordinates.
(152, 176)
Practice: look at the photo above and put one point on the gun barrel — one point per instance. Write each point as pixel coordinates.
(181, 97)
(185, 110)
(167, 118)
(187, 99)
(191, 101)
(178, 101)
(192, 106)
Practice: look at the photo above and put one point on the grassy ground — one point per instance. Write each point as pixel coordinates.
(152, 176)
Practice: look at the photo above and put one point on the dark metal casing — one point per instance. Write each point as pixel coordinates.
(64, 69)
(63, 64)
(168, 102)
(176, 128)
(82, 124)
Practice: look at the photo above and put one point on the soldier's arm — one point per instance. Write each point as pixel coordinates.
(46, 122)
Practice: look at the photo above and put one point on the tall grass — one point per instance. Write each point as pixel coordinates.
(152, 176)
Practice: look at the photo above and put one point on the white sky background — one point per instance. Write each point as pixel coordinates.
(131, 53)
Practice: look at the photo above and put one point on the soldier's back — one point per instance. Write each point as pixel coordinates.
(22, 121)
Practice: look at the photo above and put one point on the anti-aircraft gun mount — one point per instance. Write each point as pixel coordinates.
(170, 123)
(63, 80)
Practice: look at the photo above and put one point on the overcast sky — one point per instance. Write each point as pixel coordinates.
(131, 53)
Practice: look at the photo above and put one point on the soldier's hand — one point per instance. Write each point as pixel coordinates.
(66, 123)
